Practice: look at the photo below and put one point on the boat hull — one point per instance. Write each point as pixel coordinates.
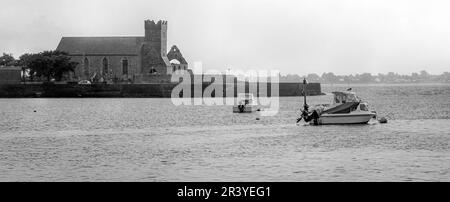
(359, 118)
(247, 109)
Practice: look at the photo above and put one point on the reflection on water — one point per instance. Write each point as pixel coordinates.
(151, 140)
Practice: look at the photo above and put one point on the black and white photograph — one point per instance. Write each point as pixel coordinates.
(224, 91)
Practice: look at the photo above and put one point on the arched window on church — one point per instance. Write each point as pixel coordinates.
(125, 66)
(86, 67)
(105, 67)
(153, 70)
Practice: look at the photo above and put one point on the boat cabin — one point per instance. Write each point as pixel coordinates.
(342, 97)
(245, 98)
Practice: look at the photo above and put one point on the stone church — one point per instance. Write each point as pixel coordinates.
(125, 59)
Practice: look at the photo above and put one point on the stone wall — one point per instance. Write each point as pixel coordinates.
(114, 66)
(128, 90)
(10, 75)
(152, 78)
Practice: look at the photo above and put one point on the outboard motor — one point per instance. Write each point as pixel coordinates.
(314, 116)
(241, 108)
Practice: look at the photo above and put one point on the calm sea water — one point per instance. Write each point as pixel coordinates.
(152, 140)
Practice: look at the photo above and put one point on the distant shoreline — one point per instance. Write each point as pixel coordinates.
(381, 84)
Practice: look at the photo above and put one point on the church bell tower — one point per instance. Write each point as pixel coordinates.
(154, 49)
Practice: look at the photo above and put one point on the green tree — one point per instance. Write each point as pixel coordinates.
(366, 77)
(24, 59)
(313, 78)
(7, 60)
(424, 74)
(48, 64)
(329, 77)
(22, 62)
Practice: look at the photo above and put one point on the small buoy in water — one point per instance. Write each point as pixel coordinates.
(34, 110)
(382, 120)
(257, 119)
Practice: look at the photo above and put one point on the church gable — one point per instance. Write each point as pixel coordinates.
(175, 53)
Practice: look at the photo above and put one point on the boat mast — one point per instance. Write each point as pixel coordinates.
(305, 106)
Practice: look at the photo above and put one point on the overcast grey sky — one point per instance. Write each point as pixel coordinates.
(293, 36)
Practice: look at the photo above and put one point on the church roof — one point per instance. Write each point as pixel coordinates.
(100, 45)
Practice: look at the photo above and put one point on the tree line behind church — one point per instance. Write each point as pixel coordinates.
(47, 65)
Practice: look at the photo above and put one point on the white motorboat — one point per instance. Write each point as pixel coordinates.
(245, 104)
(351, 118)
(347, 108)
